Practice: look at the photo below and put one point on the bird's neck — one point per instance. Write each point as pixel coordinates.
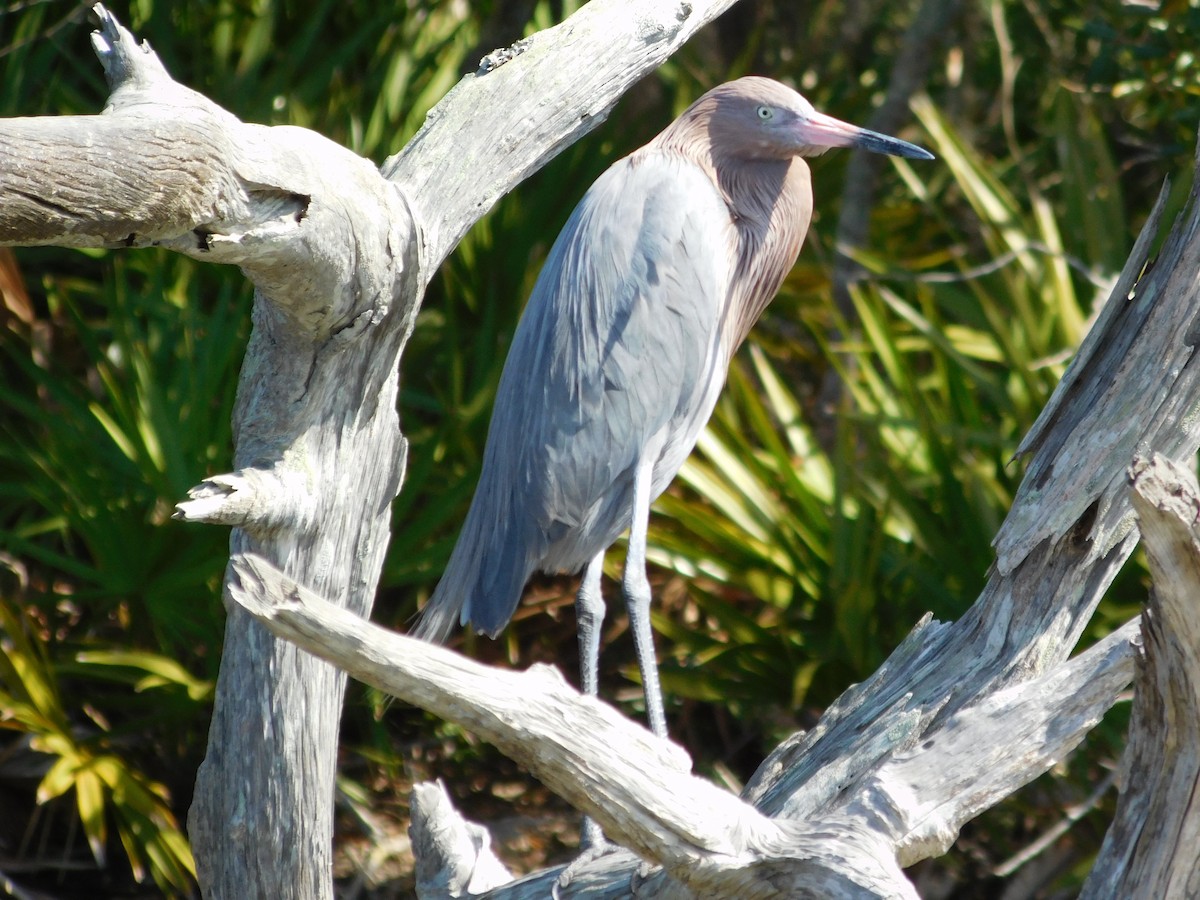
(756, 188)
(771, 205)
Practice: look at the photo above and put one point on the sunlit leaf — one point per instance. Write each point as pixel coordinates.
(89, 795)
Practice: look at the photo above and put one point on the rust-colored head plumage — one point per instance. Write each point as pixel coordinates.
(751, 136)
(756, 118)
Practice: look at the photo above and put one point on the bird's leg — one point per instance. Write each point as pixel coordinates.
(637, 599)
(590, 612)
(589, 616)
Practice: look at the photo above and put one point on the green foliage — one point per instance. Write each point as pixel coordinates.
(83, 752)
(110, 409)
(1144, 56)
(116, 398)
(119, 375)
(809, 560)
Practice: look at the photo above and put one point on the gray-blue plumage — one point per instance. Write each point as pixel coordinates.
(618, 350)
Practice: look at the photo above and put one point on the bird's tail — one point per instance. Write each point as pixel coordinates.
(483, 581)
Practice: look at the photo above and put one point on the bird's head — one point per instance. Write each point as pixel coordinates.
(759, 118)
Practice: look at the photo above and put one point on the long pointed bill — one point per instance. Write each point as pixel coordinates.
(820, 130)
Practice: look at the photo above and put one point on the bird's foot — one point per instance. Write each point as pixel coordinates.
(592, 846)
(640, 875)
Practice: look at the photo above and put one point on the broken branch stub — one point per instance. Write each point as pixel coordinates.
(704, 842)
(708, 841)
(332, 250)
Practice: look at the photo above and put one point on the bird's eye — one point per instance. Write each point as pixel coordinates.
(765, 113)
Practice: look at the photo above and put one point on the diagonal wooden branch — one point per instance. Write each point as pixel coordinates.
(643, 796)
(705, 840)
(988, 750)
(557, 86)
(1070, 531)
(1134, 384)
(1150, 850)
(564, 737)
(339, 255)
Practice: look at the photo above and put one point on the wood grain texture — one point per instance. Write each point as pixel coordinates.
(963, 713)
(497, 127)
(704, 842)
(707, 842)
(454, 856)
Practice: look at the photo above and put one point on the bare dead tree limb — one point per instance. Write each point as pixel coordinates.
(703, 840)
(339, 254)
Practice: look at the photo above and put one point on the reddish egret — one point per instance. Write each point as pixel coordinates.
(617, 362)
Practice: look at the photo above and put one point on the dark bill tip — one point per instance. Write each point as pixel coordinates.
(882, 143)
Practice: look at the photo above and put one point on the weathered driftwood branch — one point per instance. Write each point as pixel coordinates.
(339, 254)
(704, 839)
(1150, 850)
(1068, 534)
(643, 796)
(499, 127)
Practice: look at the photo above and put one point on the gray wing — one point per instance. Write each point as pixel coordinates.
(618, 345)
